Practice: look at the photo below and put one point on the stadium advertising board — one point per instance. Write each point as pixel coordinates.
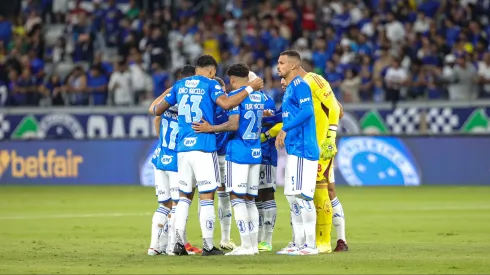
(100, 124)
(361, 161)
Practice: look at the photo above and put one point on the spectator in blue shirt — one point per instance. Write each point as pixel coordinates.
(319, 56)
(111, 19)
(334, 78)
(97, 85)
(54, 87)
(160, 79)
(5, 30)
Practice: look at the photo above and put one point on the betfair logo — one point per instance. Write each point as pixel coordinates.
(46, 164)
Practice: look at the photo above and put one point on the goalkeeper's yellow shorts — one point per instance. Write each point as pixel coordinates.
(325, 171)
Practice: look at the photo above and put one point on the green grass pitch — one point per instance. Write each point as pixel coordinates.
(94, 230)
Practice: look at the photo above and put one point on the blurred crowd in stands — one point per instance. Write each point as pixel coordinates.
(126, 52)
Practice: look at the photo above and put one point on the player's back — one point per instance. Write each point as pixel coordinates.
(196, 97)
(269, 151)
(244, 146)
(165, 157)
(319, 87)
(300, 141)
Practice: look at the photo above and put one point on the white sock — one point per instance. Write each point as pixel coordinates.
(181, 215)
(242, 221)
(159, 228)
(260, 208)
(207, 218)
(224, 214)
(308, 213)
(338, 219)
(171, 229)
(296, 221)
(253, 214)
(270, 212)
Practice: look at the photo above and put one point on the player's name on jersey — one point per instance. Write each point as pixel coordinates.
(254, 106)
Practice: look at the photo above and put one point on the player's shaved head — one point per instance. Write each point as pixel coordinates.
(294, 55)
(288, 64)
(187, 71)
(238, 74)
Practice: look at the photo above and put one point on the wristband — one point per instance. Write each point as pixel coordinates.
(249, 89)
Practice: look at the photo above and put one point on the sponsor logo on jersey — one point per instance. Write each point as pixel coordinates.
(191, 83)
(376, 161)
(285, 114)
(45, 164)
(166, 159)
(189, 142)
(217, 87)
(302, 100)
(256, 153)
(255, 97)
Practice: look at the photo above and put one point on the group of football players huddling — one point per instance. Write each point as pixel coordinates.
(226, 143)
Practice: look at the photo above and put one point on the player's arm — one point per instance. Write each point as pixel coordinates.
(230, 126)
(303, 95)
(159, 98)
(229, 102)
(165, 103)
(157, 122)
(328, 100)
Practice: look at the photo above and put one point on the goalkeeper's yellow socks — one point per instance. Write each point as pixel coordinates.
(324, 216)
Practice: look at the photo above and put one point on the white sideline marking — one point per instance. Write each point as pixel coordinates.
(71, 216)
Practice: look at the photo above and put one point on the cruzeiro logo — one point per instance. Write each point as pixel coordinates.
(250, 226)
(209, 224)
(376, 161)
(241, 226)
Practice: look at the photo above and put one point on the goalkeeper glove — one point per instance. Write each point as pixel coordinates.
(264, 137)
(328, 148)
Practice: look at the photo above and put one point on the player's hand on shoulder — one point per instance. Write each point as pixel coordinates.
(202, 127)
(268, 113)
(257, 84)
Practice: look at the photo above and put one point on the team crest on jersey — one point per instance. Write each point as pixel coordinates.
(255, 97)
(256, 153)
(166, 159)
(189, 142)
(376, 161)
(191, 83)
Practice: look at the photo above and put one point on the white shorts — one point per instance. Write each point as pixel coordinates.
(300, 178)
(242, 179)
(166, 185)
(267, 177)
(199, 169)
(222, 166)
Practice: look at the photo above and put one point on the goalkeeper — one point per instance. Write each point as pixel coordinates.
(327, 112)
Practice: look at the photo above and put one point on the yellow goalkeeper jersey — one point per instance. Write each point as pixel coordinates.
(325, 106)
